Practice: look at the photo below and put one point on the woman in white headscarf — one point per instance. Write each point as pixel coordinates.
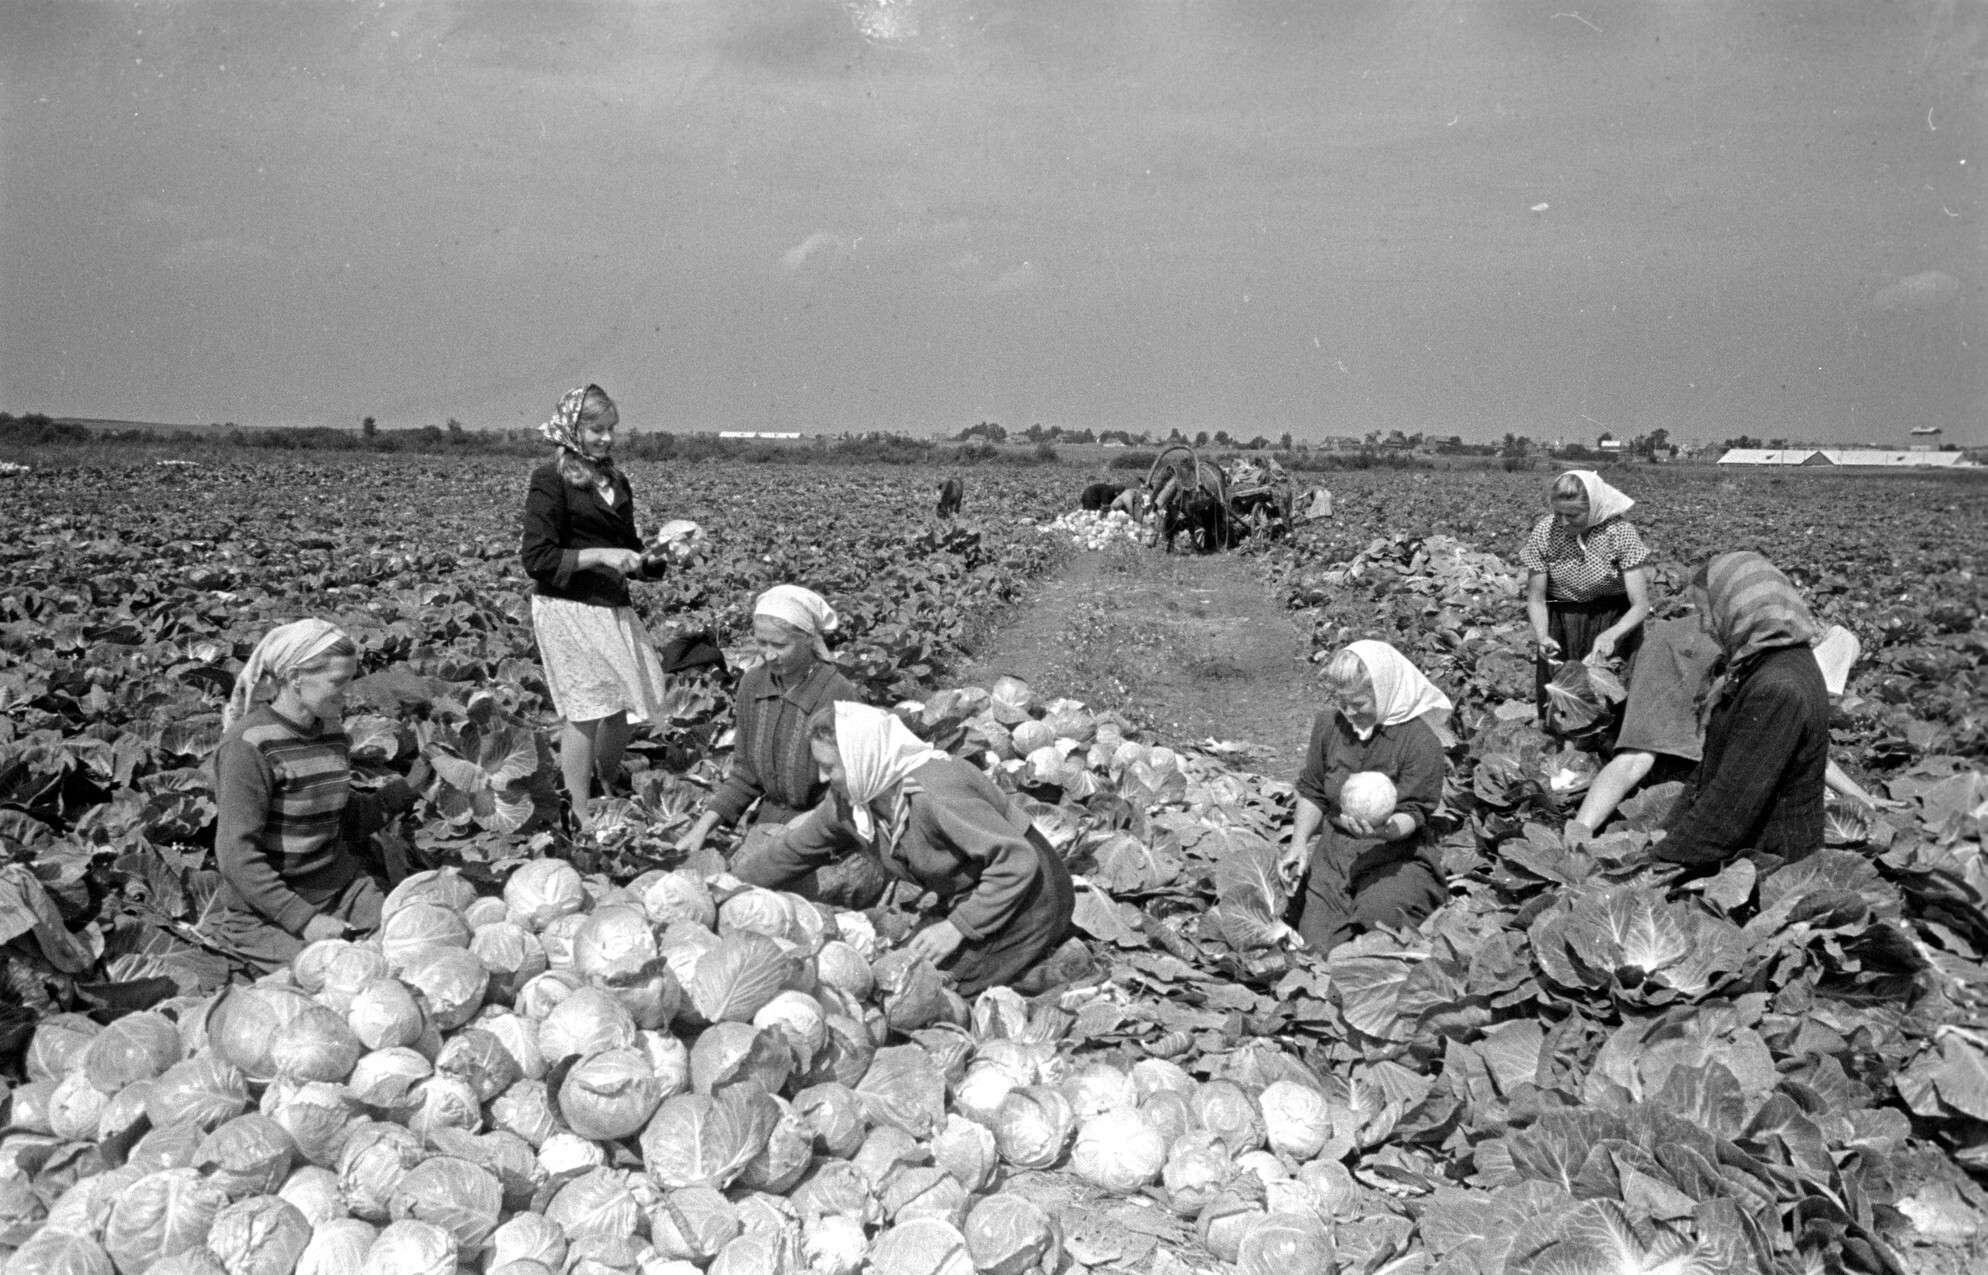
(287, 821)
(771, 763)
(1587, 585)
(1351, 873)
(941, 824)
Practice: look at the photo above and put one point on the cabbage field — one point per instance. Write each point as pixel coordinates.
(618, 1060)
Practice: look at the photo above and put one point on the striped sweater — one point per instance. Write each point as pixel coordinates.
(770, 757)
(287, 817)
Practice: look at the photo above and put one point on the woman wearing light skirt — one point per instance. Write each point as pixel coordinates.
(581, 549)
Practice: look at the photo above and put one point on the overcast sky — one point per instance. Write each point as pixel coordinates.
(1451, 216)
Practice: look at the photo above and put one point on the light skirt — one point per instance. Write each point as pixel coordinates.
(598, 661)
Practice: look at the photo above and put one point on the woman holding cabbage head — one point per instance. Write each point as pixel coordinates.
(288, 822)
(941, 824)
(772, 763)
(1353, 867)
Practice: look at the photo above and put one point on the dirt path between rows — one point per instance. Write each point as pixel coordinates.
(1189, 648)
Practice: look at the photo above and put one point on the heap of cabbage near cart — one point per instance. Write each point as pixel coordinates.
(678, 1075)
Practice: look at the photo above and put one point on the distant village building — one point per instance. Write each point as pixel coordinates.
(1611, 446)
(1846, 457)
(759, 433)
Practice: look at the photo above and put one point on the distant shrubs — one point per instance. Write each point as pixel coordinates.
(35, 429)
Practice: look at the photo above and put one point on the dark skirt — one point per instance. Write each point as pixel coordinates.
(1352, 884)
(262, 945)
(1006, 957)
(1575, 626)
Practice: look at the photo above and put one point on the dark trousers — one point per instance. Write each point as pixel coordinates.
(1353, 885)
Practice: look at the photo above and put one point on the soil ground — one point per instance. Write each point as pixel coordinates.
(1190, 648)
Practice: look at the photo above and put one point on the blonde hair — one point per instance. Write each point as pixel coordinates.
(1345, 671)
(1567, 487)
(577, 470)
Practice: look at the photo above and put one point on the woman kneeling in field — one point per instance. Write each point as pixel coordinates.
(288, 820)
(1357, 874)
(940, 824)
(772, 763)
(1760, 784)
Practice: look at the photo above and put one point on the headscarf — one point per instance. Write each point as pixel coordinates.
(563, 430)
(281, 650)
(805, 609)
(1401, 693)
(1754, 608)
(878, 753)
(1604, 501)
(1837, 651)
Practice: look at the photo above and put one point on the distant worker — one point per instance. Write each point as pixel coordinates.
(1098, 496)
(1587, 582)
(581, 549)
(1131, 502)
(951, 492)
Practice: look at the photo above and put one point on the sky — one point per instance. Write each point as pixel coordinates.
(1465, 217)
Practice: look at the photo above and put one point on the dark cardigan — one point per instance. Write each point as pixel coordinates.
(560, 520)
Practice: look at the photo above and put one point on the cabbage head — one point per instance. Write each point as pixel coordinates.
(693, 1224)
(736, 977)
(135, 1047)
(846, 1054)
(412, 1247)
(444, 1102)
(443, 887)
(192, 1261)
(29, 1107)
(526, 1110)
(76, 1108)
(315, 1194)
(598, 1202)
(1197, 1166)
(835, 1117)
(1011, 1234)
(171, 1146)
(518, 1035)
(788, 1152)
(1296, 1119)
(161, 1214)
(451, 983)
(1171, 1112)
(672, 897)
(529, 1237)
(511, 953)
(386, 1080)
(921, 1246)
(1226, 1218)
(566, 1154)
(1152, 1075)
(383, 1014)
(728, 1054)
(834, 1245)
(461, 1198)
(315, 1045)
(610, 1095)
(756, 910)
(203, 1090)
(377, 1156)
(912, 989)
(58, 1044)
(983, 1089)
(923, 1190)
(966, 1150)
(615, 943)
(481, 1061)
(1118, 1150)
(1032, 1126)
(1225, 1109)
(1279, 1243)
(349, 969)
(905, 1089)
(338, 1247)
(419, 927)
(586, 1022)
(695, 1140)
(841, 966)
(543, 890)
(85, 1207)
(249, 1155)
(52, 1252)
(538, 996)
(836, 1187)
(1099, 1087)
(262, 1235)
(319, 1117)
(557, 940)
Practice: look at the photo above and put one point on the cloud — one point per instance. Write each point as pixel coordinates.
(820, 241)
(1922, 291)
(1020, 279)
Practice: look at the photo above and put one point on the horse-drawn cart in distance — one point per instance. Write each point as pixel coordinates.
(1217, 507)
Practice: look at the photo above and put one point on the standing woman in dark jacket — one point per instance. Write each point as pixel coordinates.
(580, 548)
(1352, 875)
(1759, 785)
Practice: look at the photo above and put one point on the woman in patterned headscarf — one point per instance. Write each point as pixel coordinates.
(1587, 588)
(940, 824)
(581, 549)
(1351, 875)
(1759, 785)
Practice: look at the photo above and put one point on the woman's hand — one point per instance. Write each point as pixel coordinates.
(936, 941)
(323, 926)
(693, 840)
(1546, 646)
(1603, 647)
(625, 562)
(1393, 828)
(1291, 864)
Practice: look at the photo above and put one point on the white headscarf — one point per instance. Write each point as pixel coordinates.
(878, 752)
(805, 609)
(1401, 693)
(1604, 501)
(282, 649)
(1837, 651)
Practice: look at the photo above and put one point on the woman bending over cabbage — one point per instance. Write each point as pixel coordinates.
(1357, 860)
(940, 824)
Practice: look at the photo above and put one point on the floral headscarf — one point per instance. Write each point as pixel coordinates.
(804, 609)
(878, 752)
(281, 650)
(563, 430)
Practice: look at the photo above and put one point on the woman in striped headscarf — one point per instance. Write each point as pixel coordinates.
(1759, 785)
